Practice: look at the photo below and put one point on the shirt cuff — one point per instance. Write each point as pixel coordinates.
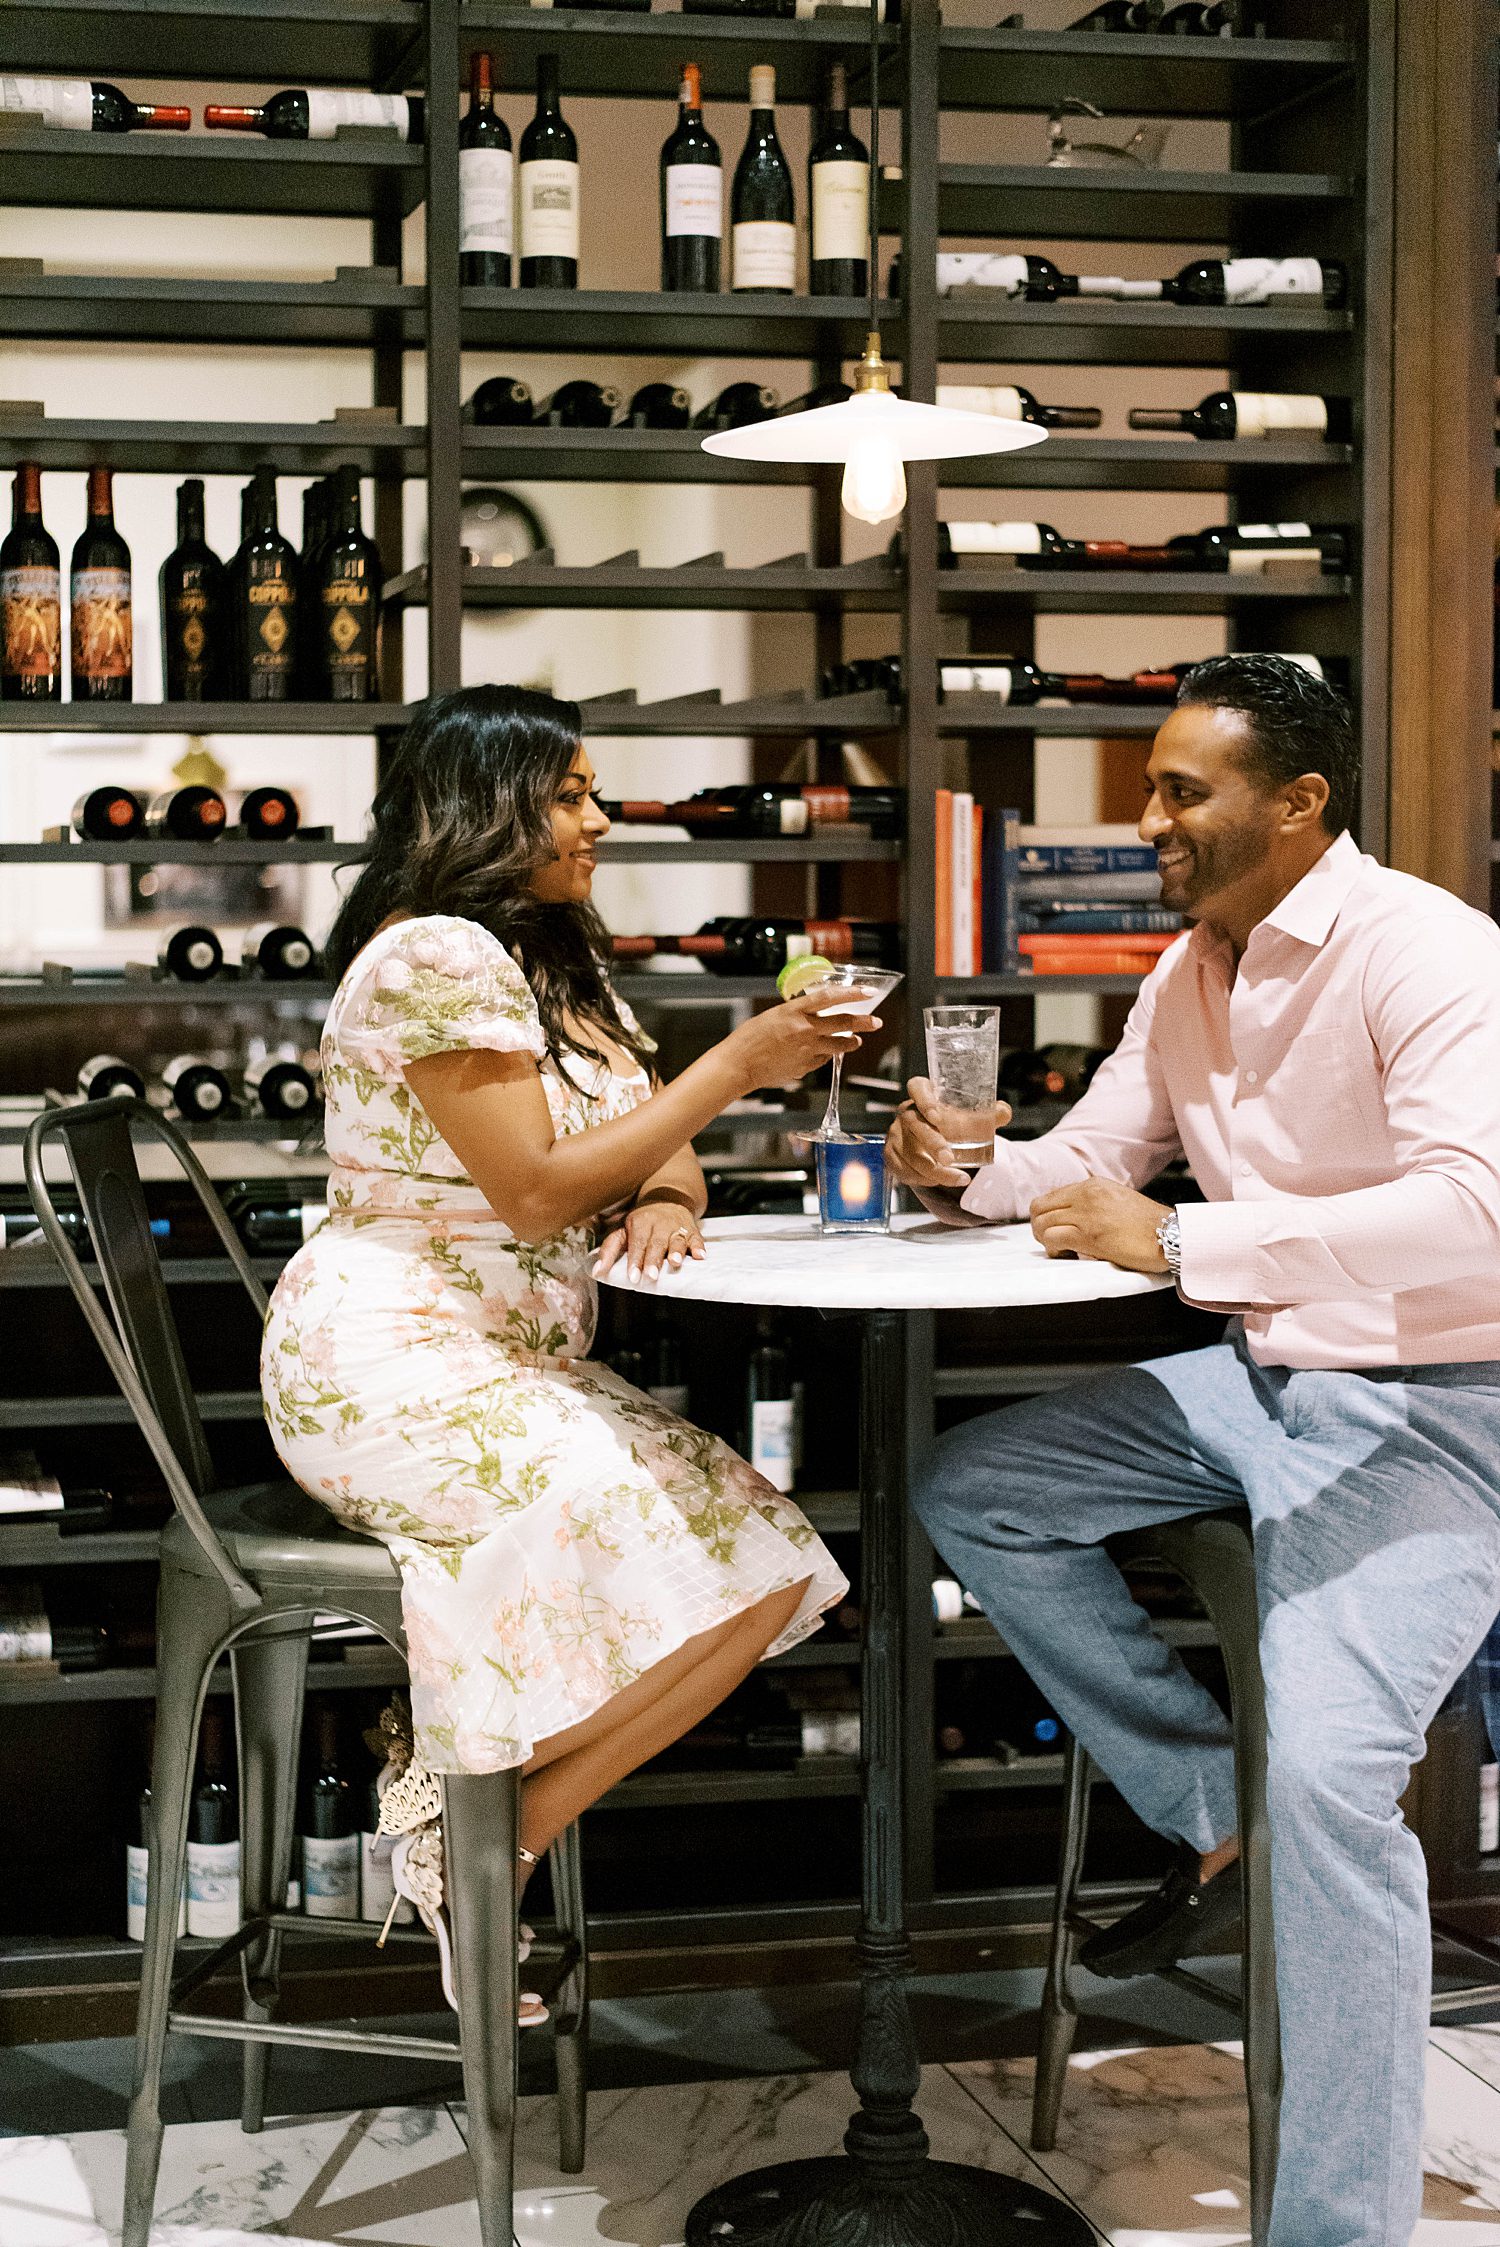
(992, 1195)
(1223, 1251)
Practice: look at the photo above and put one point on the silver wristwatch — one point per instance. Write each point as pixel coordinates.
(1169, 1240)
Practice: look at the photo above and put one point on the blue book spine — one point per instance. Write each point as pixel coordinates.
(1008, 832)
(1085, 858)
(1107, 920)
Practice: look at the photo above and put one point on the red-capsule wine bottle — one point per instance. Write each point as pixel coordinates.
(302, 113)
(99, 597)
(486, 185)
(268, 815)
(187, 815)
(692, 195)
(108, 815)
(30, 598)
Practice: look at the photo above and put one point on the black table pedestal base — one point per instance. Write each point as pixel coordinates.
(843, 2203)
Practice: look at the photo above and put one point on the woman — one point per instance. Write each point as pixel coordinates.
(584, 1575)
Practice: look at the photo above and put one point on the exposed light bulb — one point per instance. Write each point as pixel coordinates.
(874, 477)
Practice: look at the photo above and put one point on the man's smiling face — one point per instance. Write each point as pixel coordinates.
(1210, 821)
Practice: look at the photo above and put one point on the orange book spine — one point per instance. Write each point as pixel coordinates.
(979, 963)
(942, 915)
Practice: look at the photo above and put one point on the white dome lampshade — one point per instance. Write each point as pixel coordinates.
(874, 433)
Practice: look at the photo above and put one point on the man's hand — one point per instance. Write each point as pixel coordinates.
(1101, 1219)
(916, 1152)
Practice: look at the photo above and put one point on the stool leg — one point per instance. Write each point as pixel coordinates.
(270, 1676)
(571, 2017)
(1059, 2014)
(191, 1625)
(1262, 2019)
(481, 1825)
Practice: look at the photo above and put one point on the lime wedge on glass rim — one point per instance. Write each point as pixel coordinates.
(801, 974)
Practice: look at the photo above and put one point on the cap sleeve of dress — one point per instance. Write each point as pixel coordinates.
(441, 985)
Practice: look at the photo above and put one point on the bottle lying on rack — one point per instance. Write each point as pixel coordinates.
(838, 197)
(1203, 281)
(194, 657)
(28, 1493)
(658, 405)
(269, 1227)
(1120, 15)
(1227, 414)
(317, 113)
(737, 405)
(264, 600)
(199, 1089)
(863, 674)
(749, 947)
(279, 1085)
(99, 601)
(1234, 549)
(28, 1633)
(89, 105)
(268, 815)
(692, 194)
(1008, 402)
(500, 403)
(21, 1224)
(346, 593)
(106, 1076)
(108, 815)
(1014, 680)
(770, 809)
(191, 955)
(1256, 280)
(329, 1829)
(1026, 1076)
(30, 598)
(547, 184)
(579, 405)
(486, 185)
(1203, 19)
(763, 233)
(193, 814)
(279, 951)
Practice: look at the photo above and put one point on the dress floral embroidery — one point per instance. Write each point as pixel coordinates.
(425, 1375)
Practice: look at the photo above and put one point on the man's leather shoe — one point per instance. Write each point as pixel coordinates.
(1184, 1918)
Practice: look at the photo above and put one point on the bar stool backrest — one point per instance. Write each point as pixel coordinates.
(142, 1346)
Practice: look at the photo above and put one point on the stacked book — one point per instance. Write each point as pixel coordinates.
(1015, 899)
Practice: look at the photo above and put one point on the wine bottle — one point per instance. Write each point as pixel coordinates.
(1228, 414)
(1247, 547)
(548, 182)
(187, 815)
(269, 1227)
(213, 1850)
(377, 1888)
(1258, 280)
(737, 404)
(768, 1406)
(763, 232)
(1027, 1076)
(303, 113)
(330, 1836)
(1121, 15)
(99, 598)
(264, 597)
(771, 808)
(1008, 402)
(192, 606)
(821, 394)
(838, 195)
(268, 815)
(278, 1083)
(108, 815)
(580, 405)
(665, 1381)
(89, 105)
(350, 581)
(500, 403)
(28, 1632)
(751, 947)
(1077, 1065)
(863, 674)
(692, 194)
(279, 951)
(199, 1089)
(30, 598)
(106, 1077)
(1203, 19)
(191, 954)
(658, 405)
(137, 1853)
(486, 186)
(1007, 273)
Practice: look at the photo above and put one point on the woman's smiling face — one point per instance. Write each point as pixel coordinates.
(577, 825)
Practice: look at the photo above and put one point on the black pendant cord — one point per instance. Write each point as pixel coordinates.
(874, 161)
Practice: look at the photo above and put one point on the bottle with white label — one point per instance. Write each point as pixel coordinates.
(692, 194)
(138, 1860)
(198, 1088)
(1227, 414)
(88, 105)
(838, 182)
(329, 1829)
(213, 1853)
(764, 236)
(548, 190)
(666, 1380)
(320, 113)
(377, 1888)
(486, 185)
(1258, 280)
(770, 1408)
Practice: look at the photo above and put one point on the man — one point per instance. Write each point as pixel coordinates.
(1324, 1047)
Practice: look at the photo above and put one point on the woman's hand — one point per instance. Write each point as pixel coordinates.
(788, 1041)
(649, 1235)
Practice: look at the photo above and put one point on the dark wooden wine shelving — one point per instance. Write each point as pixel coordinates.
(1127, 205)
(349, 177)
(829, 846)
(268, 718)
(315, 42)
(364, 312)
(206, 448)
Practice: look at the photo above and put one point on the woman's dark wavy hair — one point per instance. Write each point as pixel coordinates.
(461, 824)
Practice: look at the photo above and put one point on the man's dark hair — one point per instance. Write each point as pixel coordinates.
(1294, 723)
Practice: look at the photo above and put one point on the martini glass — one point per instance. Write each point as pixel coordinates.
(871, 984)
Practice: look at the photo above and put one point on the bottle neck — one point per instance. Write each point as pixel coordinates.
(546, 88)
(481, 83)
(260, 509)
(26, 494)
(189, 519)
(101, 495)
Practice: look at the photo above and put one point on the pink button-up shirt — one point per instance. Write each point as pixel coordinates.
(1338, 1100)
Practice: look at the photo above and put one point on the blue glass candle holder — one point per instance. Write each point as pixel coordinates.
(853, 1188)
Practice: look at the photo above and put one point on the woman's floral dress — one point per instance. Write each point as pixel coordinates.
(425, 1375)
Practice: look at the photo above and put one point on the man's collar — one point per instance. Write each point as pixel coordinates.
(1308, 911)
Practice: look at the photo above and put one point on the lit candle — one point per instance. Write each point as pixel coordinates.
(851, 1184)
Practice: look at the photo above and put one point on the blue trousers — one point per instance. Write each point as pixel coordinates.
(1375, 1499)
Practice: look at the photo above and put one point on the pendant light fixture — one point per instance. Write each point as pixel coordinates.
(874, 433)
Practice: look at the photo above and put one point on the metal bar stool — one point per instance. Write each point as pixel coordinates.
(1214, 1555)
(243, 1572)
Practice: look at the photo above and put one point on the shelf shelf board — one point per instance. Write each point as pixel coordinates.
(229, 1131)
(266, 718)
(116, 989)
(1069, 721)
(534, 454)
(795, 716)
(35, 1544)
(1086, 592)
(792, 584)
(207, 448)
(641, 54)
(1133, 73)
(317, 42)
(672, 323)
(695, 988)
(1122, 204)
(1094, 332)
(133, 1684)
(1016, 1379)
(369, 179)
(114, 1412)
(828, 847)
(68, 308)
(961, 988)
(27, 1267)
(1141, 464)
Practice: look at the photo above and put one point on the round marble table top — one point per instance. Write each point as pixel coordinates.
(920, 1265)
